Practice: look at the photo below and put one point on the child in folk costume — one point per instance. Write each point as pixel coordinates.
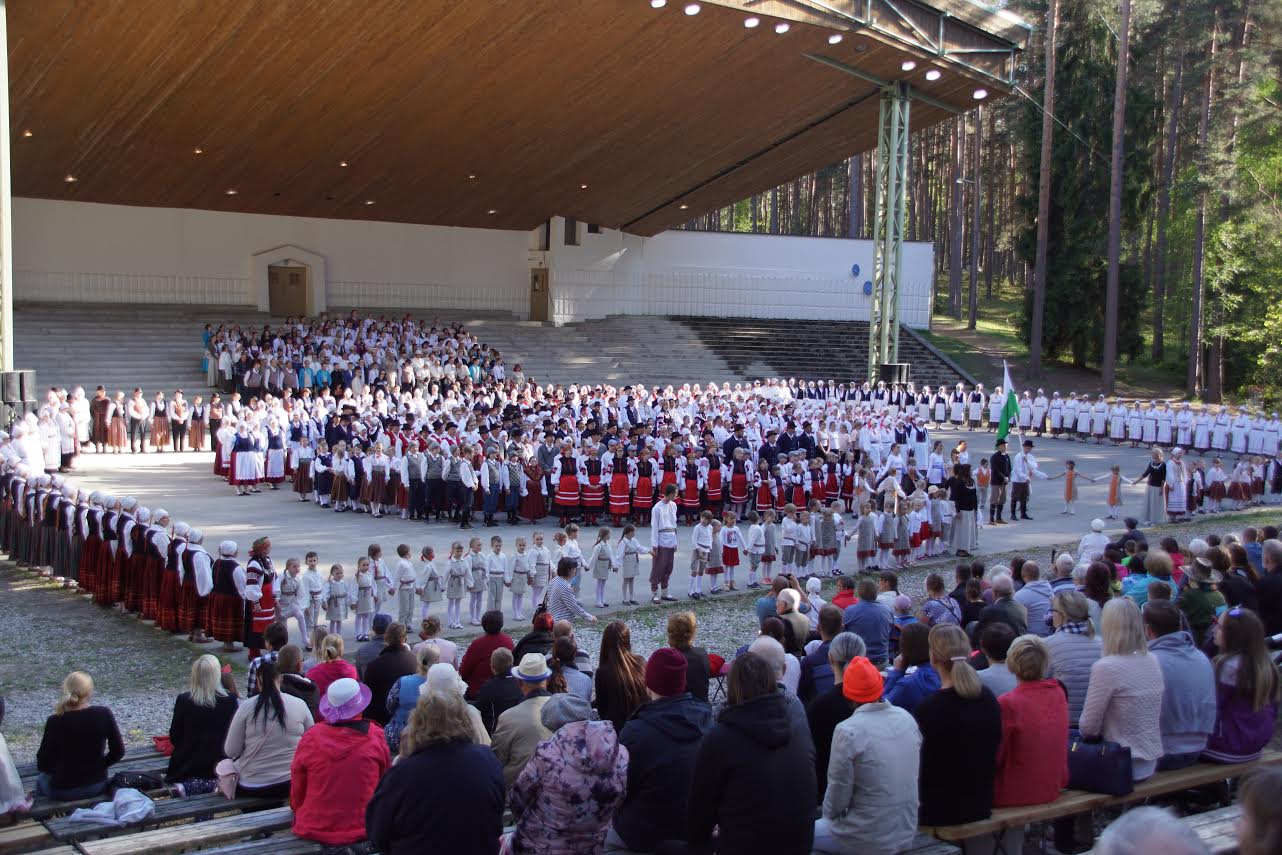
(1239, 492)
(344, 483)
(294, 598)
(788, 539)
(302, 458)
(366, 605)
(865, 536)
(322, 473)
(382, 576)
(1114, 491)
(902, 548)
(714, 476)
(886, 523)
(458, 571)
(1197, 488)
(337, 599)
(693, 479)
(805, 539)
(731, 545)
(226, 597)
(496, 575)
(628, 558)
(741, 481)
(477, 575)
(312, 586)
(1258, 471)
(414, 483)
(568, 541)
(491, 481)
(621, 475)
(541, 560)
(1070, 476)
(755, 546)
(404, 585)
(601, 562)
(984, 488)
(520, 577)
(246, 467)
(431, 584)
(376, 465)
(848, 472)
(700, 548)
(644, 484)
(933, 535)
(592, 484)
(515, 486)
(825, 542)
(715, 567)
(274, 459)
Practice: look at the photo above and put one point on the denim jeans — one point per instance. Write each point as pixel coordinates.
(45, 787)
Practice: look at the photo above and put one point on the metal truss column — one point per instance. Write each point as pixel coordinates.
(889, 219)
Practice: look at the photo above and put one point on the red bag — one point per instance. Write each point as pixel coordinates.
(163, 745)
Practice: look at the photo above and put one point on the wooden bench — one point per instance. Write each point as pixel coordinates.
(167, 811)
(149, 755)
(1072, 802)
(23, 837)
(1217, 828)
(282, 843)
(190, 838)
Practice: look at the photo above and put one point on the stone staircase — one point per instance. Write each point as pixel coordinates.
(812, 350)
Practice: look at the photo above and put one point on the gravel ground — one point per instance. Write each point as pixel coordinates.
(139, 670)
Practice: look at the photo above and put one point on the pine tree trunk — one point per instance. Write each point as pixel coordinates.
(955, 241)
(1195, 378)
(973, 308)
(856, 203)
(1161, 266)
(1043, 200)
(1112, 288)
(774, 211)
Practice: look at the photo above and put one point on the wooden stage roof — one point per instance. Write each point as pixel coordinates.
(486, 113)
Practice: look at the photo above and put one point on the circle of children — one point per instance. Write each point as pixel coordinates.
(421, 421)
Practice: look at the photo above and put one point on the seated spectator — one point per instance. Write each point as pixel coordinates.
(682, 628)
(956, 780)
(845, 595)
(973, 604)
(393, 662)
(789, 667)
(292, 682)
(887, 589)
(903, 617)
(369, 650)
(499, 693)
(1074, 648)
(1149, 831)
(1172, 548)
(766, 605)
(871, 801)
(870, 620)
(1004, 609)
(337, 768)
(520, 729)
(1269, 589)
(565, 629)
(443, 679)
(816, 674)
(564, 798)
(1239, 578)
(754, 770)
(1200, 600)
(994, 644)
(1131, 535)
(403, 696)
(961, 575)
(264, 735)
(445, 794)
(905, 689)
(1098, 587)
(1032, 765)
(938, 607)
(661, 738)
(333, 666)
(1124, 697)
(1092, 546)
(1135, 585)
(1259, 831)
(1035, 597)
(831, 707)
(796, 626)
(1062, 572)
(1253, 544)
(14, 801)
(1246, 690)
(620, 676)
(1188, 687)
(197, 730)
(430, 635)
(275, 636)
(475, 667)
(80, 743)
(565, 676)
(314, 642)
(538, 640)
(814, 602)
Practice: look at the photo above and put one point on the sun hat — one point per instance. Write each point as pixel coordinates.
(861, 681)
(345, 698)
(1202, 571)
(1097, 524)
(665, 672)
(533, 668)
(442, 679)
(565, 708)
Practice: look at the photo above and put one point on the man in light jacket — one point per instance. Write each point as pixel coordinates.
(1188, 694)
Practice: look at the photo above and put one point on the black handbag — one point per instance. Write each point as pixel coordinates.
(1099, 767)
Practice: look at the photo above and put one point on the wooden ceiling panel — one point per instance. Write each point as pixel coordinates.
(650, 108)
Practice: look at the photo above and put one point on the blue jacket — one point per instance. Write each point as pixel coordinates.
(908, 690)
(1188, 694)
(816, 673)
(871, 622)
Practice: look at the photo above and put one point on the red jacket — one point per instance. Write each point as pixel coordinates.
(475, 667)
(327, 672)
(335, 771)
(1032, 760)
(844, 598)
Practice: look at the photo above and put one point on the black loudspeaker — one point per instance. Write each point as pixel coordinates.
(29, 390)
(895, 372)
(10, 387)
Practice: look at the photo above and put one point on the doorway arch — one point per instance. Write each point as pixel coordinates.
(288, 255)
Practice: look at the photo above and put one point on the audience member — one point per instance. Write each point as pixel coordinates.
(1246, 688)
(475, 667)
(1032, 763)
(1074, 649)
(912, 678)
(499, 693)
(430, 635)
(796, 625)
(816, 673)
(1269, 589)
(332, 666)
(198, 729)
(682, 628)
(80, 743)
(1035, 597)
(1149, 831)
(1238, 578)
(831, 707)
(371, 647)
(520, 730)
(264, 736)
(620, 676)
(382, 674)
(538, 640)
(772, 651)
(870, 620)
(403, 696)
(292, 682)
(1004, 609)
(1259, 831)
(995, 644)
(1188, 687)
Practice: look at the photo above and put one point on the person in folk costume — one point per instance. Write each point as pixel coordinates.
(692, 484)
(1117, 417)
(99, 420)
(395, 496)
(1099, 420)
(644, 484)
(1025, 411)
(198, 423)
(1149, 433)
(1084, 416)
(294, 599)
(714, 475)
(227, 597)
(178, 414)
(155, 555)
(1202, 422)
(975, 408)
(169, 596)
(224, 438)
(1155, 477)
(260, 595)
(491, 480)
(565, 474)
(376, 466)
(245, 466)
(274, 464)
(592, 482)
(1274, 475)
(764, 487)
(196, 585)
(1040, 408)
(620, 473)
(670, 466)
(90, 520)
(515, 485)
(1184, 425)
(957, 406)
(131, 577)
(435, 463)
(104, 570)
(1176, 485)
(414, 483)
(1197, 486)
(303, 457)
(1220, 429)
(939, 407)
(158, 412)
(741, 478)
(1165, 425)
(118, 424)
(1071, 477)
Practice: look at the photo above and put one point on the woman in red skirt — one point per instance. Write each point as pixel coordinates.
(171, 580)
(764, 487)
(196, 584)
(643, 487)
(622, 474)
(832, 483)
(847, 472)
(566, 477)
(739, 481)
(534, 503)
(692, 484)
(226, 604)
(668, 468)
(592, 485)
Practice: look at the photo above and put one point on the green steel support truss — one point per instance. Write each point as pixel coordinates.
(889, 218)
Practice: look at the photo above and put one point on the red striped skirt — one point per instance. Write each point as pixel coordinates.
(594, 493)
(567, 492)
(193, 609)
(167, 601)
(738, 489)
(619, 494)
(690, 495)
(227, 617)
(765, 498)
(643, 500)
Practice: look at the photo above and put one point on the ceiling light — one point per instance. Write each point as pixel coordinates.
(835, 39)
(658, 4)
(782, 27)
(342, 163)
(907, 65)
(69, 178)
(197, 150)
(369, 202)
(492, 211)
(583, 186)
(684, 207)
(232, 192)
(752, 22)
(980, 94)
(471, 177)
(27, 132)
(934, 74)
(692, 8)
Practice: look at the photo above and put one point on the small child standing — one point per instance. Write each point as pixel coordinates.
(825, 547)
(866, 539)
(901, 549)
(1114, 491)
(520, 576)
(715, 568)
(886, 538)
(804, 535)
(570, 549)
(755, 547)
(405, 583)
(366, 603)
(476, 576)
(496, 575)
(382, 578)
(1070, 476)
(313, 585)
(602, 562)
(768, 556)
(542, 560)
(701, 546)
(458, 572)
(1197, 488)
(839, 543)
(983, 484)
(788, 538)
(337, 598)
(628, 558)
(1215, 489)
(293, 597)
(429, 582)
(731, 544)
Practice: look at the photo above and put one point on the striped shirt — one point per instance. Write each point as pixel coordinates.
(562, 603)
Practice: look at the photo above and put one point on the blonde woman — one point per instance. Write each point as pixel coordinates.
(443, 679)
(332, 664)
(80, 743)
(198, 728)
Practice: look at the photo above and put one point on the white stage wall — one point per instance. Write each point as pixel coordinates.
(73, 251)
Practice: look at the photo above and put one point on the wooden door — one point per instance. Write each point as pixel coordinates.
(287, 290)
(540, 295)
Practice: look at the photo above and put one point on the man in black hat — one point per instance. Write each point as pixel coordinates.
(1000, 464)
(769, 450)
